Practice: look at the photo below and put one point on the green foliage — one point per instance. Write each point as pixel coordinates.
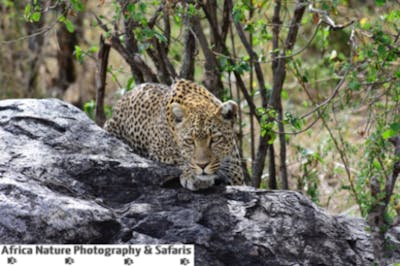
(68, 24)
(240, 66)
(372, 85)
(308, 180)
(89, 108)
(322, 38)
(267, 124)
(293, 120)
(80, 53)
(144, 33)
(376, 69)
(380, 2)
(77, 5)
(239, 11)
(32, 12)
(130, 84)
(394, 130)
(376, 163)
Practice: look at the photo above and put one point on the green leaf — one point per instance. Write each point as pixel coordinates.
(238, 13)
(395, 127)
(388, 134)
(77, 5)
(191, 10)
(89, 107)
(36, 16)
(130, 84)
(380, 2)
(263, 132)
(27, 12)
(61, 18)
(78, 53)
(249, 27)
(272, 138)
(68, 24)
(131, 8)
(376, 165)
(93, 49)
(178, 19)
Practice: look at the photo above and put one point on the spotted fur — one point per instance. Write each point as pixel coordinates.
(182, 125)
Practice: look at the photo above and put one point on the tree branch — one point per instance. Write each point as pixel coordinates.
(257, 66)
(101, 77)
(210, 10)
(187, 68)
(324, 18)
(226, 21)
(212, 79)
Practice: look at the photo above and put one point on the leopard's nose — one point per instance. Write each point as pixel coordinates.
(203, 165)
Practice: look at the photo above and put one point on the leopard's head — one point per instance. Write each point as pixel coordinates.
(205, 135)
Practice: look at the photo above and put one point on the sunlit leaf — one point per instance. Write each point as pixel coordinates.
(68, 24)
(36, 16)
(27, 11)
(388, 134)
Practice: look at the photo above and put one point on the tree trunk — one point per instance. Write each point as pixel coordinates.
(65, 54)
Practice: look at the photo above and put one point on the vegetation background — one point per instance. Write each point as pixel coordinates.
(318, 82)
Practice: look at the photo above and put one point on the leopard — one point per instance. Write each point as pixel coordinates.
(183, 125)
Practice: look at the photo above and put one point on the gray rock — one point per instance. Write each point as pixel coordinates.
(65, 180)
(57, 169)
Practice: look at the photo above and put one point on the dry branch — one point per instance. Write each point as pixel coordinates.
(212, 75)
(103, 55)
(189, 53)
(257, 66)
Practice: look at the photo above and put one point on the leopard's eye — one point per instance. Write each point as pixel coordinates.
(216, 139)
(188, 141)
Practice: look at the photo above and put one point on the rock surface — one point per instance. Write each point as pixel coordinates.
(65, 180)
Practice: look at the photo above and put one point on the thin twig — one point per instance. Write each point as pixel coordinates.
(43, 30)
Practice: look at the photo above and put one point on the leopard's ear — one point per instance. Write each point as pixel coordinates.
(228, 110)
(178, 112)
